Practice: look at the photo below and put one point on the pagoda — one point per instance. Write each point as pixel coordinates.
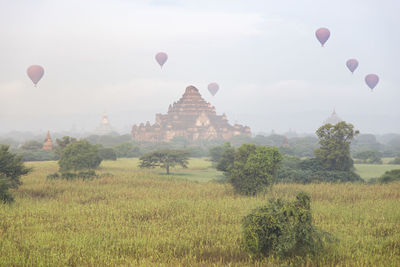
(48, 142)
(105, 127)
(191, 117)
(333, 119)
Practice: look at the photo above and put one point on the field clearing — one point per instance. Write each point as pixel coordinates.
(144, 217)
(368, 171)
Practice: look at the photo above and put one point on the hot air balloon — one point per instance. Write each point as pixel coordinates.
(161, 58)
(352, 64)
(371, 80)
(322, 35)
(35, 73)
(213, 88)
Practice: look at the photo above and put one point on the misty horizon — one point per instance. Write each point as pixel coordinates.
(273, 73)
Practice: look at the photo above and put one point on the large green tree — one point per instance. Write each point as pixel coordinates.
(334, 150)
(79, 155)
(165, 159)
(62, 143)
(253, 168)
(11, 170)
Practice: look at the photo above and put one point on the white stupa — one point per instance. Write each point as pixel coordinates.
(105, 127)
(333, 119)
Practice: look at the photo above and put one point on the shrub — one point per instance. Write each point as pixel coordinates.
(107, 153)
(390, 176)
(80, 155)
(282, 228)
(396, 160)
(71, 176)
(253, 168)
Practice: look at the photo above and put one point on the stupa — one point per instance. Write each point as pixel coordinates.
(105, 127)
(333, 119)
(48, 142)
(191, 117)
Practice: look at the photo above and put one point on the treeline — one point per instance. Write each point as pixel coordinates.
(365, 148)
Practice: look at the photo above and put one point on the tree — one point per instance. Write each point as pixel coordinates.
(253, 168)
(107, 153)
(334, 151)
(80, 155)
(369, 156)
(62, 143)
(165, 159)
(127, 150)
(11, 170)
(222, 156)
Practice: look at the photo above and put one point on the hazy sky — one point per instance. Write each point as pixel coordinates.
(273, 74)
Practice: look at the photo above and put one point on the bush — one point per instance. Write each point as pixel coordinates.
(390, 176)
(107, 153)
(283, 229)
(253, 168)
(71, 176)
(80, 155)
(396, 160)
(294, 170)
(369, 157)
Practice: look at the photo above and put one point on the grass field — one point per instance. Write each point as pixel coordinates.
(144, 217)
(368, 171)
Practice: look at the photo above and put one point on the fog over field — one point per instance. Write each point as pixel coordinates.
(273, 73)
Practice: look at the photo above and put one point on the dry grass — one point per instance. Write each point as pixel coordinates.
(139, 217)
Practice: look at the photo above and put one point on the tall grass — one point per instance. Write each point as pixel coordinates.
(141, 217)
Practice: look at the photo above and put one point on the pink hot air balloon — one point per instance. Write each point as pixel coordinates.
(161, 58)
(322, 35)
(352, 64)
(371, 80)
(35, 73)
(213, 88)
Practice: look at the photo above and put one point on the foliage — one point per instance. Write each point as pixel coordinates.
(11, 170)
(71, 176)
(32, 145)
(253, 168)
(164, 159)
(390, 176)
(62, 143)
(80, 155)
(37, 155)
(107, 153)
(368, 157)
(295, 170)
(396, 160)
(282, 228)
(127, 150)
(334, 151)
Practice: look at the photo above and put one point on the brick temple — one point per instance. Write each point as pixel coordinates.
(191, 117)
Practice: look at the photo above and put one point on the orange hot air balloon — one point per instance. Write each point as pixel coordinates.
(35, 73)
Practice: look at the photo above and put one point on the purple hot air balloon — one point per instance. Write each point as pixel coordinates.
(35, 73)
(371, 80)
(161, 58)
(213, 88)
(322, 35)
(352, 64)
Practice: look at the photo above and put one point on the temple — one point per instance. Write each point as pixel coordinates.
(105, 127)
(48, 142)
(333, 119)
(191, 117)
